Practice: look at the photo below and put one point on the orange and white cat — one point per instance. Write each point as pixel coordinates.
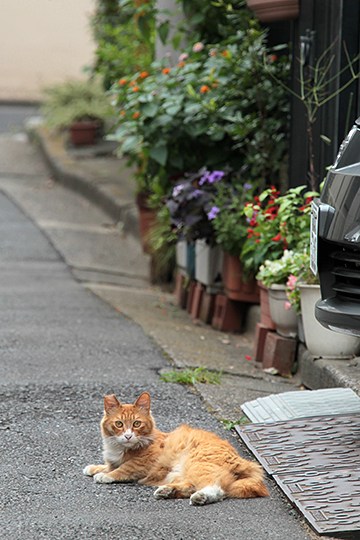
(185, 463)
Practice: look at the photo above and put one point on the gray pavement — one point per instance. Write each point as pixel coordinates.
(62, 348)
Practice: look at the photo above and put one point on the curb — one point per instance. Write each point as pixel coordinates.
(61, 166)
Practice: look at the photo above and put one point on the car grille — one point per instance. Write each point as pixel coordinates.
(346, 270)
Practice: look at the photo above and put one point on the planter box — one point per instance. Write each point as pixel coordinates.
(185, 257)
(319, 340)
(208, 263)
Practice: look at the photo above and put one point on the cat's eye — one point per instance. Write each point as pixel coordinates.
(118, 423)
(137, 423)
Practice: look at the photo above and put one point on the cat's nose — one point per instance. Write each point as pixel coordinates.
(128, 436)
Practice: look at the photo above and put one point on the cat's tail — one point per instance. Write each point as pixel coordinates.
(246, 482)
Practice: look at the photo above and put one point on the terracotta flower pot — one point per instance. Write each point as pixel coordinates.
(274, 10)
(147, 219)
(235, 285)
(84, 132)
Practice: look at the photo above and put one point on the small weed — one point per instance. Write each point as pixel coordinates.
(230, 424)
(192, 376)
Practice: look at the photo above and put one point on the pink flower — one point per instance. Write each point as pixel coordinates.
(198, 47)
(183, 56)
(248, 357)
(287, 305)
(291, 282)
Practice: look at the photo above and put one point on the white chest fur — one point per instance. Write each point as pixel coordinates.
(113, 451)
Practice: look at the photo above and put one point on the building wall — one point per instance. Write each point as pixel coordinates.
(42, 42)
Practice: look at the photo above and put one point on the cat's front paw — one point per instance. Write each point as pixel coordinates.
(103, 478)
(88, 470)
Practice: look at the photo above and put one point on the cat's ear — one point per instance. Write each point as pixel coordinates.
(143, 402)
(111, 402)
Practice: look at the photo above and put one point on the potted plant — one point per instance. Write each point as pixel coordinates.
(274, 275)
(82, 107)
(275, 223)
(192, 211)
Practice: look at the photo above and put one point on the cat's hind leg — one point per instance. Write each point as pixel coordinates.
(179, 490)
(207, 495)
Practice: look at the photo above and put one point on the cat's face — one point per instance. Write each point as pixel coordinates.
(129, 425)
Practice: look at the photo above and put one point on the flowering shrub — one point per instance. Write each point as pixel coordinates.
(191, 205)
(216, 107)
(275, 223)
(278, 271)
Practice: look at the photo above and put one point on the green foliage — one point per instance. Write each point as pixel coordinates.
(192, 376)
(162, 241)
(230, 424)
(215, 108)
(121, 46)
(230, 224)
(75, 100)
(278, 271)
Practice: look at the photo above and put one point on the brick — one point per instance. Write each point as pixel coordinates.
(196, 300)
(228, 314)
(181, 291)
(190, 296)
(207, 307)
(261, 331)
(279, 353)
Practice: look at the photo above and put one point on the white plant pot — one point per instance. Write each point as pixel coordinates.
(283, 315)
(208, 264)
(319, 340)
(181, 254)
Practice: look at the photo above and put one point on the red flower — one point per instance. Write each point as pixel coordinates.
(277, 238)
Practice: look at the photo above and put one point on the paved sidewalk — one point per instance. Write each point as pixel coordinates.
(105, 179)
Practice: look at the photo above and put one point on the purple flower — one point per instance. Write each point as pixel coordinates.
(211, 177)
(213, 213)
(177, 190)
(247, 186)
(195, 194)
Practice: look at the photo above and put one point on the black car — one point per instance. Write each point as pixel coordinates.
(335, 240)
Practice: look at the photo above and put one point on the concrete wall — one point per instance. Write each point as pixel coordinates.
(41, 42)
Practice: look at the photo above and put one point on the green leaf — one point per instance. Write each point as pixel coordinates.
(150, 110)
(159, 154)
(163, 31)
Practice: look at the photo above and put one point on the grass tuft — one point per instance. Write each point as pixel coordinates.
(192, 376)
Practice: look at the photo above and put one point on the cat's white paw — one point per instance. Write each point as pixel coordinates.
(87, 470)
(103, 478)
(163, 492)
(199, 498)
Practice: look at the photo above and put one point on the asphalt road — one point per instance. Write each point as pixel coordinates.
(61, 349)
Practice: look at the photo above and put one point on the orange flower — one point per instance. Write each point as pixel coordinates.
(135, 89)
(143, 75)
(122, 82)
(132, 83)
(122, 113)
(136, 115)
(181, 64)
(165, 71)
(225, 53)
(204, 88)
